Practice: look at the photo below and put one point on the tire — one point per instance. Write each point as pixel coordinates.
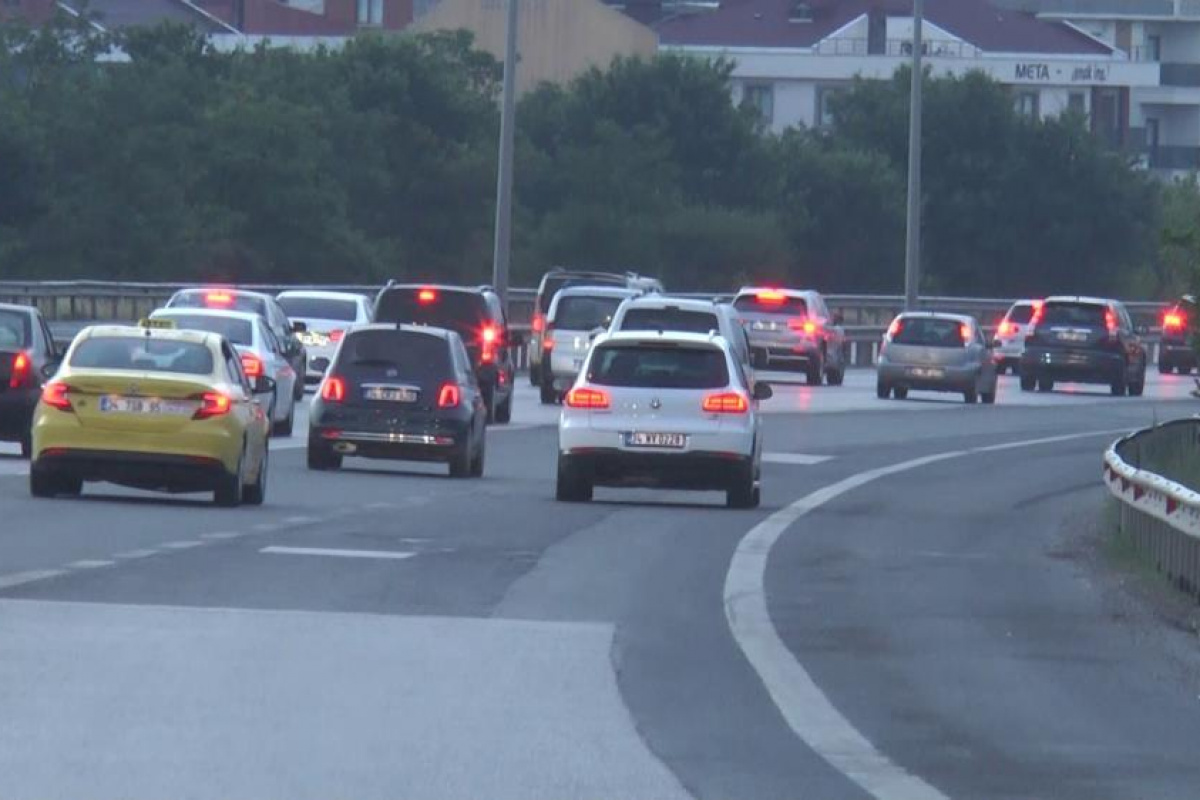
(504, 410)
(480, 457)
(971, 397)
(882, 390)
(460, 462)
(286, 427)
(900, 393)
(743, 490)
(255, 493)
(813, 374)
(548, 395)
(572, 485)
(298, 386)
(42, 482)
(1028, 383)
(489, 402)
(1165, 369)
(835, 377)
(1045, 384)
(228, 493)
(1120, 385)
(535, 375)
(989, 398)
(322, 458)
(1137, 387)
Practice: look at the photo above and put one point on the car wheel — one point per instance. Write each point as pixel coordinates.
(504, 410)
(548, 395)
(285, 428)
(42, 482)
(228, 493)
(321, 457)
(882, 390)
(835, 377)
(1045, 384)
(572, 485)
(489, 402)
(298, 385)
(480, 456)
(535, 375)
(814, 373)
(900, 393)
(971, 397)
(1120, 385)
(1165, 369)
(460, 462)
(26, 446)
(742, 491)
(989, 398)
(1137, 387)
(256, 493)
(1028, 383)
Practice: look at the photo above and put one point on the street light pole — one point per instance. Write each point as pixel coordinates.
(504, 179)
(912, 259)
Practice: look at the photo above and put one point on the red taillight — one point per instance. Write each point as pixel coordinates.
(770, 297)
(333, 390)
(1007, 328)
(801, 325)
(1110, 321)
(57, 394)
(336, 336)
(1173, 320)
(895, 328)
(489, 338)
(964, 332)
(427, 296)
(585, 397)
(726, 403)
(538, 323)
(22, 372)
(449, 396)
(252, 365)
(1038, 306)
(548, 340)
(212, 404)
(218, 298)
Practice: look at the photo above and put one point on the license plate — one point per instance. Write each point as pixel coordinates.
(111, 404)
(927, 372)
(390, 395)
(1072, 336)
(670, 441)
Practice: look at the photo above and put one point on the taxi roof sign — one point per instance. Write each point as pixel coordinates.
(158, 323)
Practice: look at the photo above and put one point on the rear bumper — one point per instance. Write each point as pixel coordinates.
(952, 379)
(696, 470)
(1072, 365)
(157, 471)
(1176, 354)
(16, 413)
(218, 440)
(403, 443)
(794, 352)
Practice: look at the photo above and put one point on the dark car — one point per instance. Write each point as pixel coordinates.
(560, 278)
(477, 316)
(1083, 340)
(402, 392)
(1175, 352)
(28, 358)
(266, 307)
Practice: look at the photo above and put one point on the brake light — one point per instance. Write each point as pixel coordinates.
(802, 325)
(489, 337)
(1006, 328)
(449, 396)
(586, 397)
(57, 394)
(333, 390)
(252, 365)
(336, 336)
(1173, 320)
(22, 372)
(895, 328)
(538, 323)
(1038, 307)
(218, 298)
(427, 296)
(770, 297)
(1110, 321)
(726, 403)
(548, 340)
(212, 404)
(964, 332)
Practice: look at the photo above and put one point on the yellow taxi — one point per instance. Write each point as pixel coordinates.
(153, 408)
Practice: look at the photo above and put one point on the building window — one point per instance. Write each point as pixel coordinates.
(824, 117)
(1077, 103)
(1152, 134)
(1026, 104)
(370, 12)
(1152, 51)
(761, 97)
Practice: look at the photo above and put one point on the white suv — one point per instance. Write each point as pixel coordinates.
(577, 315)
(687, 315)
(662, 410)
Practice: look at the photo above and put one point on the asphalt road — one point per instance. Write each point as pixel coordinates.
(911, 614)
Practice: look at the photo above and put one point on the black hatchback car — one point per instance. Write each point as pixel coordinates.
(399, 392)
(477, 316)
(1083, 340)
(28, 358)
(1175, 351)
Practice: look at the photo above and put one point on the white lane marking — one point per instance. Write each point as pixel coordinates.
(14, 470)
(184, 545)
(32, 576)
(810, 714)
(129, 555)
(326, 551)
(801, 459)
(267, 527)
(290, 444)
(220, 536)
(298, 520)
(90, 564)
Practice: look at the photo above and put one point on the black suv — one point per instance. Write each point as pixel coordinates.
(28, 358)
(477, 316)
(1083, 340)
(400, 392)
(1175, 350)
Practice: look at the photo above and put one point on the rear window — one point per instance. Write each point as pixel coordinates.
(228, 301)
(1075, 315)
(770, 303)
(464, 312)
(552, 284)
(1021, 314)
(669, 319)
(929, 332)
(585, 313)
(237, 331)
(658, 366)
(395, 356)
(14, 329)
(319, 308)
(143, 355)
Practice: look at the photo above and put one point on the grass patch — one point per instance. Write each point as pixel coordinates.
(1120, 550)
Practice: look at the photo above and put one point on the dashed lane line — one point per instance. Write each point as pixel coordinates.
(798, 459)
(31, 576)
(90, 564)
(395, 555)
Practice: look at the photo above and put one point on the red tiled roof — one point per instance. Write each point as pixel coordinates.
(765, 23)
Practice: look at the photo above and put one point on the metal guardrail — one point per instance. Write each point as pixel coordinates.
(1146, 471)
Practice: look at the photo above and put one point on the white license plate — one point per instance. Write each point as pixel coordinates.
(111, 404)
(390, 395)
(670, 441)
(1072, 336)
(928, 372)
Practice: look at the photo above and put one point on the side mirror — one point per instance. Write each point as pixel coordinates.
(263, 385)
(763, 391)
(837, 318)
(299, 327)
(598, 330)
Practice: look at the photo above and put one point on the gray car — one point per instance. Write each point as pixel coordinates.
(937, 353)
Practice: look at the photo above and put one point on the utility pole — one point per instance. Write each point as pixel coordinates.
(912, 258)
(504, 179)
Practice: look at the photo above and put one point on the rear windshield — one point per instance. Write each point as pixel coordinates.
(464, 312)
(14, 329)
(929, 332)
(1020, 314)
(551, 285)
(1075, 315)
(771, 304)
(319, 308)
(237, 331)
(585, 313)
(394, 356)
(229, 301)
(658, 367)
(669, 319)
(143, 355)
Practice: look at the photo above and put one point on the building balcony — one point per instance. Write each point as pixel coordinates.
(1179, 74)
(935, 48)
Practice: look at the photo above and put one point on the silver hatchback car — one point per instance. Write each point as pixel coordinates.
(938, 353)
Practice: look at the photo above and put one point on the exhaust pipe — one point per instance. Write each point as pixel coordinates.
(345, 448)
